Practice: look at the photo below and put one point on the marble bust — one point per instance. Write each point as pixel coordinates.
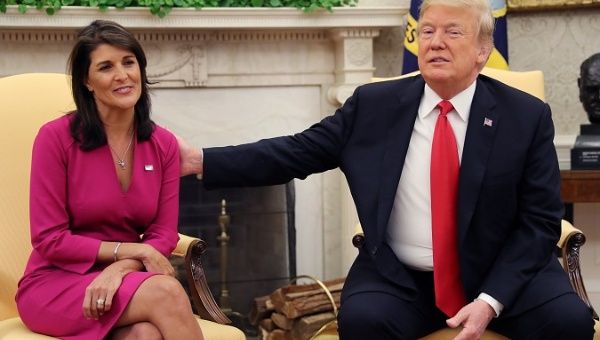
(589, 87)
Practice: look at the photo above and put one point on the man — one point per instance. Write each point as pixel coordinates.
(589, 87)
(472, 247)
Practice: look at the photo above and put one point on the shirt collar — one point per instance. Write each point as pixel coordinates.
(461, 102)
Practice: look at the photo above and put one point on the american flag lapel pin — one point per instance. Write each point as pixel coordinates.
(487, 122)
(149, 167)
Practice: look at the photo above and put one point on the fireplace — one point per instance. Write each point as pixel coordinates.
(235, 75)
(260, 248)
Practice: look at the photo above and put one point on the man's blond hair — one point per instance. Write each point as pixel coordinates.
(481, 7)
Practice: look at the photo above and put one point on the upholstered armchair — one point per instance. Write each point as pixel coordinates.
(27, 101)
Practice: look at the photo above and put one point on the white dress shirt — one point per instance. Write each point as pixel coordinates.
(409, 227)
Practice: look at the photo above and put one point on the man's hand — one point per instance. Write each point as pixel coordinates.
(474, 319)
(190, 158)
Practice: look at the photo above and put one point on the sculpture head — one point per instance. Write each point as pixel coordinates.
(589, 87)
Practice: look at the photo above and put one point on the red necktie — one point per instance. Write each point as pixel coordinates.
(449, 293)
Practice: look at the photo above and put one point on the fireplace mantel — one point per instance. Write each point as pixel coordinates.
(351, 29)
(235, 75)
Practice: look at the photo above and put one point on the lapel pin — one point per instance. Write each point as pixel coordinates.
(487, 122)
(148, 167)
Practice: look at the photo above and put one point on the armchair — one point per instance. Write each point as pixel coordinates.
(29, 100)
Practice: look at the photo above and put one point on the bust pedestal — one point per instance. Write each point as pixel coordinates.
(585, 154)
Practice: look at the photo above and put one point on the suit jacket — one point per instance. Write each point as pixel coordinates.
(509, 207)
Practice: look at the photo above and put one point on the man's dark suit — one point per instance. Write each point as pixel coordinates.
(509, 208)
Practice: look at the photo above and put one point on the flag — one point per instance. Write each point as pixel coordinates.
(498, 57)
(409, 62)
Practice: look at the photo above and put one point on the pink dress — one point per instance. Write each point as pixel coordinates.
(76, 202)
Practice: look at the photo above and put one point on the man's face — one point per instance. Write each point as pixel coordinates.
(589, 91)
(450, 51)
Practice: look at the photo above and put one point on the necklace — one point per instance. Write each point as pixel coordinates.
(121, 159)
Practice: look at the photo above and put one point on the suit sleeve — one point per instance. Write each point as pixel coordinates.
(49, 219)
(281, 159)
(531, 244)
(162, 232)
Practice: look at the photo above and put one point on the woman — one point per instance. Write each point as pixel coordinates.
(101, 176)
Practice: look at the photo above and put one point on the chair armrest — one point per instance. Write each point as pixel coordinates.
(567, 231)
(358, 240)
(570, 242)
(191, 249)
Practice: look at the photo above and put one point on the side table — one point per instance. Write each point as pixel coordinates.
(579, 186)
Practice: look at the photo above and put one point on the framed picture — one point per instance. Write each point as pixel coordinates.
(532, 5)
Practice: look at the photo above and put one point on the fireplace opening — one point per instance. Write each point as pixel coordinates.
(254, 228)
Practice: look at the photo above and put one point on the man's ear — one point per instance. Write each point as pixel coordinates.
(485, 51)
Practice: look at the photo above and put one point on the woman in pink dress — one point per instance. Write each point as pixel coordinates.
(104, 205)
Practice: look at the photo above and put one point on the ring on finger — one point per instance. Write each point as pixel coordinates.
(100, 302)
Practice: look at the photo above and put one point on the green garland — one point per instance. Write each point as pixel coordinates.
(162, 7)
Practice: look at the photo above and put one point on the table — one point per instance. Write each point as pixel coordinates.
(578, 186)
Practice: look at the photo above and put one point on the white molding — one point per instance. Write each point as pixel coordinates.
(208, 18)
(32, 35)
(563, 145)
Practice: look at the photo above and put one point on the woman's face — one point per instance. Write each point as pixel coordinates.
(114, 79)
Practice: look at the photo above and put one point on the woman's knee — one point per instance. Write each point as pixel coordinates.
(139, 330)
(166, 289)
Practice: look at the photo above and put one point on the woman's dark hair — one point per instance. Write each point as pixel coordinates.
(86, 126)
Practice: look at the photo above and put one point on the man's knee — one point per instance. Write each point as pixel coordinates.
(375, 316)
(574, 322)
(359, 323)
(565, 317)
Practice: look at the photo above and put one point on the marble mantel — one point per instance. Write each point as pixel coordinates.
(228, 76)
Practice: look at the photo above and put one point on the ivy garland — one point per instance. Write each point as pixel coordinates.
(162, 7)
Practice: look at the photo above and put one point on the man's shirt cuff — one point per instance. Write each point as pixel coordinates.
(496, 306)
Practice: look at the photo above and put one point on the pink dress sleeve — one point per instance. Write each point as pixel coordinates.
(49, 220)
(162, 232)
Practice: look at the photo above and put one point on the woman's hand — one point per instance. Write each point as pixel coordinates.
(155, 262)
(150, 258)
(100, 292)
